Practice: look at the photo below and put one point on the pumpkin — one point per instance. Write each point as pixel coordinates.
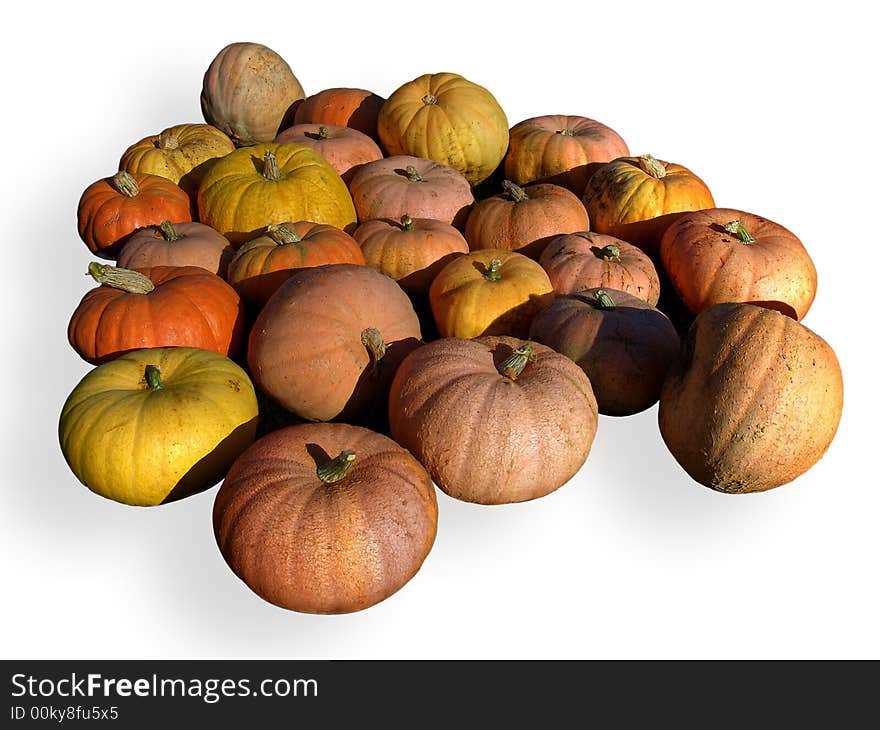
(637, 198)
(355, 108)
(488, 292)
(270, 183)
(525, 219)
(266, 262)
(404, 185)
(163, 306)
(495, 419)
(153, 426)
(110, 210)
(342, 147)
(325, 518)
(248, 92)
(754, 400)
(181, 244)
(726, 255)
(181, 153)
(327, 343)
(448, 119)
(585, 260)
(623, 344)
(412, 251)
(560, 149)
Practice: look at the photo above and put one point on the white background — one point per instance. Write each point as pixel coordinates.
(772, 106)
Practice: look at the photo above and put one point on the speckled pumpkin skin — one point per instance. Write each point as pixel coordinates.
(344, 148)
(197, 245)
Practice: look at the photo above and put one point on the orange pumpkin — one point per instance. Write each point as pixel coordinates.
(342, 147)
(355, 108)
(183, 244)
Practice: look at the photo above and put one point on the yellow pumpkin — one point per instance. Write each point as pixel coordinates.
(157, 425)
(256, 186)
(488, 292)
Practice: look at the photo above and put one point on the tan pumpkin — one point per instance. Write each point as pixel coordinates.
(494, 419)
(355, 108)
(181, 244)
(342, 147)
(586, 260)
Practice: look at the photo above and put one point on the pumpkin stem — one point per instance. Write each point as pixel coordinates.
(610, 253)
(429, 99)
(371, 338)
(739, 230)
(332, 471)
(127, 280)
(281, 234)
(151, 375)
(323, 132)
(515, 191)
(493, 273)
(413, 174)
(513, 366)
(123, 182)
(167, 141)
(566, 132)
(652, 166)
(271, 170)
(169, 232)
(407, 222)
(603, 299)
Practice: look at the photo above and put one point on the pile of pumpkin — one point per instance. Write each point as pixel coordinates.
(414, 266)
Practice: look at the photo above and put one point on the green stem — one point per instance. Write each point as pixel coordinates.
(515, 191)
(281, 234)
(413, 174)
(271, 171)
(169, 232)
(652, 166)
(513, 366)
(603, 299)
(429, 99)
(323, 132)
(493, 273)
(610, 252)
(566, 132)
(332, 471)
(123, 182)
(151, 375)
(739, 230)
(407, 222)
(126, 280)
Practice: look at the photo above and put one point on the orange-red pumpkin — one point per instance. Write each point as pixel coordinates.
(181, 244)
(355, 108)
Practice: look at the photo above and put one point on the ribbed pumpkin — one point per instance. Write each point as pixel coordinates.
(623, 344)
(327, 343)
(525, 219)
(325, 518)
(248, 93)
(404, 185)
(266, 262)
(495, 419)
(585, 260)
(181, 244)
(638, 198)
(753, 402)
(355, 108)
(182, 154)
(110, 210)
(412, 251)
(448, 119)
(726, 255)
(490, 292)
(560, 149)
(164, 306)
(342, 147)
(269, 183)
(157, 425)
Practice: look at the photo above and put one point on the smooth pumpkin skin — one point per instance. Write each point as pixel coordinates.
(384, 189)
(466, 304)
(181, 153)
(342, 147)
(190, 307)
(484, 437)
(625, 351)
(146, 447)
(345, 107)
(262, 265)
(525, 219)
(196, 245)
(325, 548)
(708, 265)
(464, 127)
(410, 254)
(237, 199)
(305, 349)
(560, 149)
(754, 400)
(625, 201)
(580, 260)
(106, 216)
(248, 91)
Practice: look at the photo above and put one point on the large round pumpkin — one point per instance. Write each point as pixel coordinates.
(753, 402)
(495, 419)
(726, 255)
(325, 518)
(355, 108)
(446, 118)
(254, 187)
(248, 92)
(560, 149)
(327, 343)
(488, 292)
(156, 425)
(164, 306)
(342, 147)
(181, 244)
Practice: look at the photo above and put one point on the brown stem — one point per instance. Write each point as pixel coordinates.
(652, 166)
(407, 222)
(413, 174)
(151, 375)
(371, 338)
(515, 191)
(124, 182)
(603, 299)
(168, 141)
(126, 280)
(281, 234)
(271, 170)
(493, 273)
(739, 230)
(513, 366)
(169, 232)
(610, 252)
(332, 471)
(566, 132)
